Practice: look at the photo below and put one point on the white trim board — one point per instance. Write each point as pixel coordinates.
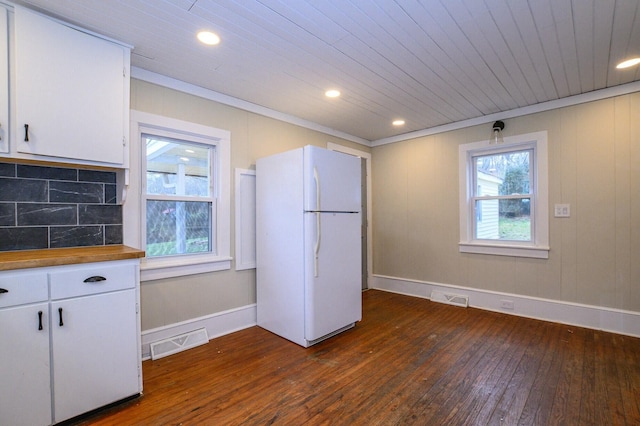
(245, 219)
(593, 317)
(218, 324)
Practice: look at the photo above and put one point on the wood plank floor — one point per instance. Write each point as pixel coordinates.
(409, 361)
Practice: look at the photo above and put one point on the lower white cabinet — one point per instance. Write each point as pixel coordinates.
(74, 350)
(25, 394)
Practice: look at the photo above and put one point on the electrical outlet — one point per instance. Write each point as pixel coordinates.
(506, 304)
(562, 210)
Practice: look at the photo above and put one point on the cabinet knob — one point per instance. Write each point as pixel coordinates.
(3, 290)
(95, 279)
(26, 133)
(60, 323)
(39, 320)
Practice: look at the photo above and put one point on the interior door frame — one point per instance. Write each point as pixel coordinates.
(367, 157)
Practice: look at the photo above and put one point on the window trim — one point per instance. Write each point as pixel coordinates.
(539, 246)
(134, 199)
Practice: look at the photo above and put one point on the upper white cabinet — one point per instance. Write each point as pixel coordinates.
(71, 93)
(4, 81)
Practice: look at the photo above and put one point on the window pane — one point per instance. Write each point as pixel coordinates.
(508, 220)
(487, 220)
(178, 227)
(503, 173)
(177, 167)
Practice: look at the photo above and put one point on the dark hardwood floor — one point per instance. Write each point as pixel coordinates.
(409, 361)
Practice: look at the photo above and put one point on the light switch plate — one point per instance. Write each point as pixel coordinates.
(562, 210)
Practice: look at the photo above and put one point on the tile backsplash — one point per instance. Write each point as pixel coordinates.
(52, 207)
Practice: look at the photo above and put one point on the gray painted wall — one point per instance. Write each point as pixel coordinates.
(594, 165)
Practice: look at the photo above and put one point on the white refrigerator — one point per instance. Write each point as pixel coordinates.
(308, 244)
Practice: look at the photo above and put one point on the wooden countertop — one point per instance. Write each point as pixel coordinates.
(22, 259)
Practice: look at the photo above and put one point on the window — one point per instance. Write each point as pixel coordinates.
(503, 197)
(182, 196)
(179, 196)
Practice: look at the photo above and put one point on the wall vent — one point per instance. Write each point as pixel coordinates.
(450, 298)
(179, 343)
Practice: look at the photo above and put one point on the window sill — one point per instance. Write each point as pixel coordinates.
(536, 252)
(155, 269)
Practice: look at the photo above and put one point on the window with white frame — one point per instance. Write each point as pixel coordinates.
(504, 197)
(183, 197)
(179, 196)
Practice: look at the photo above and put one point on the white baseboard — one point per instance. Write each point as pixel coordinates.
(594, 317)
(217, 324)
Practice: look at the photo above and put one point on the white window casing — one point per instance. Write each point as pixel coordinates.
(134, 207)
(538, 247)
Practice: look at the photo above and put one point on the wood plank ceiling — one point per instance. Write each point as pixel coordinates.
(430, 62)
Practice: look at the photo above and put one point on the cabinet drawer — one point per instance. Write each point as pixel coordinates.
(23, 288)
(91, 279)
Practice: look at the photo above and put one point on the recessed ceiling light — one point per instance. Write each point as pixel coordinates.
(185, 159)
(332, 93)
(209, 38)
(398, 122)
(628, 63)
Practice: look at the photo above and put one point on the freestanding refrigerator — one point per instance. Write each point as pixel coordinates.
(308, 244)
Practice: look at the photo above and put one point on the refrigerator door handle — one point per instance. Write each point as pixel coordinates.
(316, 178)
(316, 249)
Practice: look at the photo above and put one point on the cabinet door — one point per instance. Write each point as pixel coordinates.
(70, 91)
(4, 82)
(25, 385)
(95, 352)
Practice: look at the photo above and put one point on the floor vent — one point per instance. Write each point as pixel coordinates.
(450, 298)
(179, 343)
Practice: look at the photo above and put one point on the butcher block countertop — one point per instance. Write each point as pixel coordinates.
(23, 259)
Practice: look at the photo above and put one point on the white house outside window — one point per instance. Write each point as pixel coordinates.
(503, 197)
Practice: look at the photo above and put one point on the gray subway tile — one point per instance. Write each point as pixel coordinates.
(110, 196)
(44, 172)
(23, 190)
(96, 176)
(19, 238)
(92, 214)
(47, 214)
(7, 214)
(75, 236)
(113, 234)
(75, 192)
(7, 170)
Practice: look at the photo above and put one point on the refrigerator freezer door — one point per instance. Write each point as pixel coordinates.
(333, 281)
(331, 181)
